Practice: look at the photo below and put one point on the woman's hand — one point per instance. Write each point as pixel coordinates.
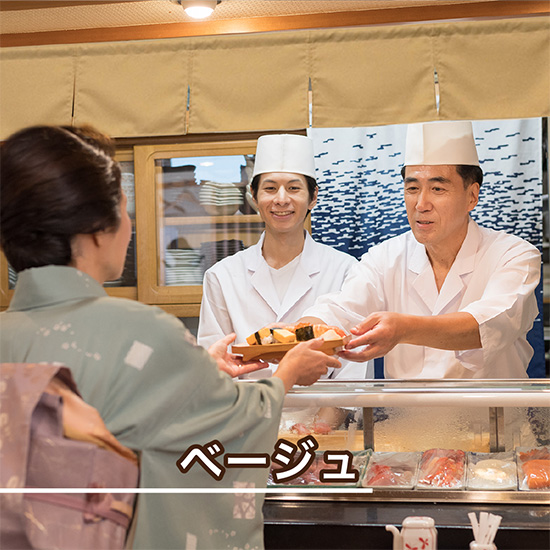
(305, 364)
(229, 362)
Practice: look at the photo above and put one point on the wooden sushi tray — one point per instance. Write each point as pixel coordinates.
(275, 352)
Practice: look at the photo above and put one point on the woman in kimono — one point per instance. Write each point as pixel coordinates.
(275, 280)
(65, 230)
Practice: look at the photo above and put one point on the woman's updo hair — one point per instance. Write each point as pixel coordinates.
(55, 182)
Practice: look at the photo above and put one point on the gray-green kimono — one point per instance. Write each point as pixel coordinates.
(159, 393)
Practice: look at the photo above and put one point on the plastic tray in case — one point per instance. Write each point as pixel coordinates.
(311, 478)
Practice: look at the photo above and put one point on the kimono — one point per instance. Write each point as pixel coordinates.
(159, 394)
(493, 277)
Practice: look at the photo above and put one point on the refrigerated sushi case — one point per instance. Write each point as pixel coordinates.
(481, 416)
(413, 416)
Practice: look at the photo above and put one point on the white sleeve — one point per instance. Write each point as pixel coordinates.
(508, 306)
(214, 321)
(361, 294)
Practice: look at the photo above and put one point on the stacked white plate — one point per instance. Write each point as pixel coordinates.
(183, 267)
(182, 201)
(220, 199)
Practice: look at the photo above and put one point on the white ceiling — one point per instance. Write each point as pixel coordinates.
(26, 17)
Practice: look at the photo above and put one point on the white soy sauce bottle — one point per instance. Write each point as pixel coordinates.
(417, 532)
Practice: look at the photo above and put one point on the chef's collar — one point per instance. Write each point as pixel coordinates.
(465, 257)
(309, 262)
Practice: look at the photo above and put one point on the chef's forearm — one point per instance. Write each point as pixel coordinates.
(451, 331)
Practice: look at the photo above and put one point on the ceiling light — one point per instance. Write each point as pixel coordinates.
(199, 9)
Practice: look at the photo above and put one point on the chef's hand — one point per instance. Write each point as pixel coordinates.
(379, 333)
(304, 364)
(229, 362)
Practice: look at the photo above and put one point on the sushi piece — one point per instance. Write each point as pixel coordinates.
(320, 330)
(321, 428)
(304, 333)
(283, 336)
(251, 340)
(266, 336)
(300, 428)
(330, 334)
(262, 336)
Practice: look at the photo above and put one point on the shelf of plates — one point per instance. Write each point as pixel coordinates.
(192, 210)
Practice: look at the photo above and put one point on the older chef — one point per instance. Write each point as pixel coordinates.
(447, 299)
(275, 280)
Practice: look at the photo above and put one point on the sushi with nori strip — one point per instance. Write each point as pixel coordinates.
(304, 333)
(262, 336)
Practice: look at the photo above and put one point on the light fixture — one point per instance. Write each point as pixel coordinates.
(198, 9)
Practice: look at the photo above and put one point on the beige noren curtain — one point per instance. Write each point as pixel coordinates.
(246, 83)
(133, 89)
(372, 76)
(36, 87)
(494, 69)
(258, 82)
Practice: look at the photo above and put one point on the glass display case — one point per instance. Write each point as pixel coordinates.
(497, 420)
(398, 423)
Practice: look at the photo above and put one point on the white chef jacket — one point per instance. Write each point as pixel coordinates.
(493, 277)
(239, 295)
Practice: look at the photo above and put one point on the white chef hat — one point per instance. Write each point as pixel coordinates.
(443, 142)
(284, 153)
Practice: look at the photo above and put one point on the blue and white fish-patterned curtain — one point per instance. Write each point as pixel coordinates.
(361, 191)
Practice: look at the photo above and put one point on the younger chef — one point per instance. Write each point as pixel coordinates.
(447, 299)
(275, 280)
